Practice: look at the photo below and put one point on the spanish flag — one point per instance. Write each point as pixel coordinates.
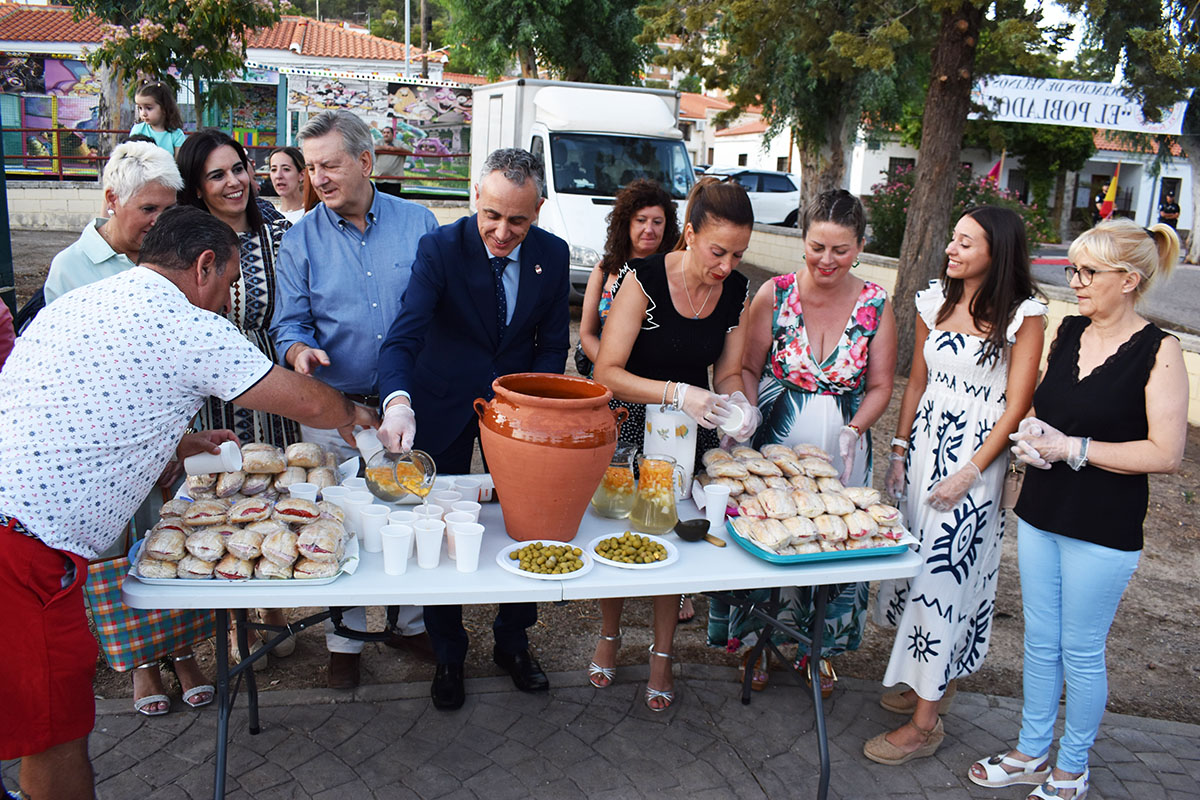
(1110, 199)
(993, 175)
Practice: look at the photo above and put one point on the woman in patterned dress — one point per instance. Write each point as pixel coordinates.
(218, 178)
(978, 343)
(820, 357)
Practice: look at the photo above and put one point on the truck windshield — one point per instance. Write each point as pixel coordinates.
(601, 164)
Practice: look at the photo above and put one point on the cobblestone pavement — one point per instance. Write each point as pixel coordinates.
(388, 742)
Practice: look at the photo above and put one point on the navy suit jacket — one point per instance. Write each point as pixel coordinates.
(444, 348)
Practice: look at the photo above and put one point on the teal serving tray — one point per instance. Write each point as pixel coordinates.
(809, 558)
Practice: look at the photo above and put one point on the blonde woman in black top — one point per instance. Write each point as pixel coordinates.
(1115, 377)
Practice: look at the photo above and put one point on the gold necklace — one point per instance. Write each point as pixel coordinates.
(688, 294)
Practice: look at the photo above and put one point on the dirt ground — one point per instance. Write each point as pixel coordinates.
(1153, 649)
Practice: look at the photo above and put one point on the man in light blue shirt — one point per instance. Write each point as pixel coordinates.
(341, 274)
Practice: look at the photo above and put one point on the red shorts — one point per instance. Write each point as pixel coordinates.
(49, 657)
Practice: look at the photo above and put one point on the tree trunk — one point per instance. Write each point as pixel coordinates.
(425, 29)
(928, 222)
(199, 105)
(1065, 203)
(823, 166)
(528, 62)
(109, 108)
(1191, 145)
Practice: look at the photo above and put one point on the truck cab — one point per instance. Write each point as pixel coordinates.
(593, 140)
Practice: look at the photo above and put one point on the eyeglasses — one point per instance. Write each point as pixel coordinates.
(1085, 274)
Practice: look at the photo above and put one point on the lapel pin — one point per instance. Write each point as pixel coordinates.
(537, 268)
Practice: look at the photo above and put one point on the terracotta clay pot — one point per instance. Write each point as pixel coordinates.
(547, 440)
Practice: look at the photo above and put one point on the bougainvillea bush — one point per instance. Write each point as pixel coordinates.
(887, 208)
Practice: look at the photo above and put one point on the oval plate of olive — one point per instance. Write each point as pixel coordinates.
(532, 559)
(633, 550)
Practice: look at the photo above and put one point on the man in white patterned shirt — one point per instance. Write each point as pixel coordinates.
(94, 400)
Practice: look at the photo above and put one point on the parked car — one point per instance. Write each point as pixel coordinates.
(775, 196)
(700, 169)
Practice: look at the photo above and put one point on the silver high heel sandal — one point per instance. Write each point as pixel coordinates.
(597, 673)
(666, 696)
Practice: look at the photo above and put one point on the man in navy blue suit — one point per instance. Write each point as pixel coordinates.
(488, 297)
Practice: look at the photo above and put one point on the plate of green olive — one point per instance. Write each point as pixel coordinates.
(631, 550)
(545, 560)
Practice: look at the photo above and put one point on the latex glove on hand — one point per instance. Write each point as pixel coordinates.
(953, 488)
(751, 417)
(399, 428)
(893, 481)
(708, 409)
(1040, 445)
(847, 443)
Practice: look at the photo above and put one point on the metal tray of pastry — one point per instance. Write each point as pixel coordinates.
(347, 567)
(808, 558)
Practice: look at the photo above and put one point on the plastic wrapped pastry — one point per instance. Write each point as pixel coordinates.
(801, 529)
(267, 526)
(727, 469)
(175, 507)
(774, 451)
(811, 451)
(265, 568)
(322, 477)
(153, 568)
(763, 467)
(245, 543)
(307, 568)
(777, 482)
(323, 540)
(205, 544)
(884, 514)
(804, 482)
(770, 533)
(192, 568)
(818, 468)
(742, 452)
(256, 483)
(230, 483)
(807, 503)
(164, 544)
(789, 465)
(741, 525)
(295, 511)
(289, 476)
(863, 496)
(865, 543)
(332, 511)
(750, 507)
(206, 512)
(830, 485)
(280, 547)
(831, 528)
(232, 568)
(200, 483)
(714, 455)
(305, 454)
(252, 509)
(836, 503)
(777, 503)
(859, 525)
(893, 533)
(752, 484)
(267, 460)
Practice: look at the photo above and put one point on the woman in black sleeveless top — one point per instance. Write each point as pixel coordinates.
(1111, 409)
(673, 318)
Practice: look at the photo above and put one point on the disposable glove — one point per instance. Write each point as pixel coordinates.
(847, 444)
(399, 428)
(893, 482)
(1040, 445)
(953, 488)
(751, 419)
(707, 409)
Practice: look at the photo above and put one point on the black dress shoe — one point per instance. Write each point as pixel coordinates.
(526, 673)
(447, 689)
(417, 645)
(343, 670)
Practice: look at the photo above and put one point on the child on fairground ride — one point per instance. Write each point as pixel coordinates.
(159, 116)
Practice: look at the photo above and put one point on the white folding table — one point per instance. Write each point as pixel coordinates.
(702, 568)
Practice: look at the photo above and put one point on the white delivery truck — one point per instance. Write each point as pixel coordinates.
(593, 139)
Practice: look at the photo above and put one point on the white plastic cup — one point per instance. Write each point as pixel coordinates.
(304, 491)
(397, 541)
(228, 460)
(336, 495)
(468, 487)
(445, 498)
(716, 498)
(368, 444)
(736, 418)
(469, 539)
(353, 505)
(429, 511)
(469, 507)
(429, 542)
(451, 519)
(355, 484)
(402, 517)
(372, 518)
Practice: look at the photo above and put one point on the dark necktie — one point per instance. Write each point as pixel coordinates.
(498, 266)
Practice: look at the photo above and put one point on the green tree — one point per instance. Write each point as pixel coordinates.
(575, 40)
(205, 40)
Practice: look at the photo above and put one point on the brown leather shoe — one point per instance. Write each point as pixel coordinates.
(418, 645)
(343, 670)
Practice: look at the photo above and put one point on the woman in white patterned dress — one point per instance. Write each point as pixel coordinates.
(978, 343)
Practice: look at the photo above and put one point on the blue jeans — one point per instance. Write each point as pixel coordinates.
(1070, 590)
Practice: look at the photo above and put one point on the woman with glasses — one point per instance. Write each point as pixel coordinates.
(978, 341)
(1111, 408)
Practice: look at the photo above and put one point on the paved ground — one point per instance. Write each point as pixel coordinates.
(578, 742)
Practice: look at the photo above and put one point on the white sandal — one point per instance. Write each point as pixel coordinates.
(195, 691)
(598, 673)
(1028, 772)
(140, 704)
(667, 696)
(1051, 788)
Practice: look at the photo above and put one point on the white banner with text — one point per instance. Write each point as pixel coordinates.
(1081, 104)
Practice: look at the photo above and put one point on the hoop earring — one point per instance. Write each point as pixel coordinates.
(855, 264)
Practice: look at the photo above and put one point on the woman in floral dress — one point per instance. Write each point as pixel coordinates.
(822, 352)
(978, 342)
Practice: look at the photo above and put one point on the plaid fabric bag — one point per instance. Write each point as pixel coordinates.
(131, 637)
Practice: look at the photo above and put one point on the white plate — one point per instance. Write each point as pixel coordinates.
(349, 564)
(509, 565)
(672, 552)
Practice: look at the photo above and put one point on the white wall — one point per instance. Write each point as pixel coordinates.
(759, 154)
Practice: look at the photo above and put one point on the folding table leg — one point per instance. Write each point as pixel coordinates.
(814, 670)
(243, 636)
(224, 702)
